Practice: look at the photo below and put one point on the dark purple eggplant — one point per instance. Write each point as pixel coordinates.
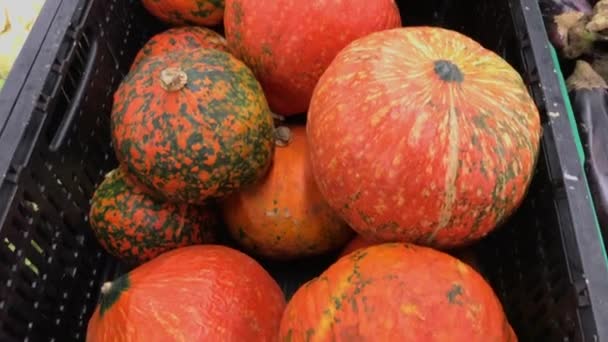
(589, 96)
(556, 7)
(599, 62)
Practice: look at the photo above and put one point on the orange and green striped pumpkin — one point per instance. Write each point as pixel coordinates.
(420, 134)
(136, 228)
(192, 125)
(396, 292)
(187, 12)
(180, 39)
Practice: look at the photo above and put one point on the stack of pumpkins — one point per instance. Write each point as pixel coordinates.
(417, 140)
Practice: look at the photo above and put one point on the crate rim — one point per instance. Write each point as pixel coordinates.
(566, 169)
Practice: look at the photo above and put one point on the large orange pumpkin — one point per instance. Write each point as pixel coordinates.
(284, 215)
(388, 292)
(187, 12)
(420, 134)
(196, 293)
(289, 43)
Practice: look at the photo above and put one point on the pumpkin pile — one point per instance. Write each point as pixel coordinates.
(309, 131)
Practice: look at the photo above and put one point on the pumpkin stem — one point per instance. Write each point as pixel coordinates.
(277, 117)
(282, 136)
(106, 287)
(173, 79)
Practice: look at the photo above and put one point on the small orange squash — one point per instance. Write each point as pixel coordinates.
(284, 214)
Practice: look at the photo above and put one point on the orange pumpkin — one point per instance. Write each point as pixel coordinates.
(421, 135)
(289, 43)
(466, 255)
(387, 292)
(187, 12)
(284, 215)
(180, 38)
(196, 293)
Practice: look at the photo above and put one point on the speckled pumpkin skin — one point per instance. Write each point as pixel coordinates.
(187, 12)
(180, 38)
(404, 154)
(135, 228)
(195, 293)
(289, 43)
(387, 293)
(465, 255)
(203, 141)
(284, 215)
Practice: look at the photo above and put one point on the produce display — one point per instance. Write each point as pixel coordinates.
(284, 216)
(289, 43)
(136, 228)
(388, 293)
(422, 135)
(578, 29)
(196, 293)
(16, 21)
(309, 126)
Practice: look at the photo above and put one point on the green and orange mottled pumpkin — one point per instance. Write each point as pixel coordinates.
(387, 292)
(195, 293)
(136, 228)
(192, 125)
(187, 12)
(289, 43)
(180, 39)
(284, 216)
(420, 134)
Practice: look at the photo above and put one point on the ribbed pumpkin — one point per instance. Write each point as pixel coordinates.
(420, 134)
(192, 125)
(180, 39)
(136, 228)
(396, 292)
(196, 293)
(284, 216)
(187, 12)
(289, 43)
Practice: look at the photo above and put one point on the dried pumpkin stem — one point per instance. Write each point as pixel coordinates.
(282, 136)
(277, 117)
(173, 79)
(106, 287)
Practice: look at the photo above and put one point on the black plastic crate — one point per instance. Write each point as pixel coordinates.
(547, 264)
